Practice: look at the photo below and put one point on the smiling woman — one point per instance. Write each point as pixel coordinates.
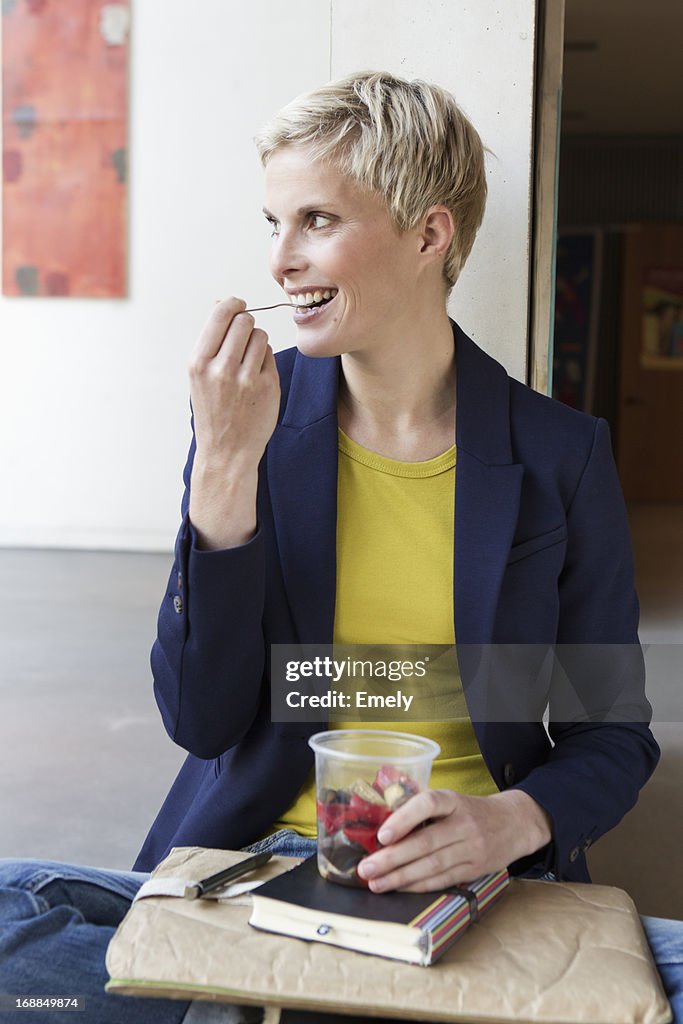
(321, 507)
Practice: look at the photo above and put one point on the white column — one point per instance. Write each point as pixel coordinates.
(483, 51)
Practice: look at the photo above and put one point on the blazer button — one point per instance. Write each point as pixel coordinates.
(574, 854)
(178, 604)
(508, 774)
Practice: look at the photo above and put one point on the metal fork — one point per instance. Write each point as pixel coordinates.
(259, 309)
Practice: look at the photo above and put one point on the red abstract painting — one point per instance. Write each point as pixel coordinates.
(64, 161)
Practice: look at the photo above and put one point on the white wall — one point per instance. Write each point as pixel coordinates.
(93, 393)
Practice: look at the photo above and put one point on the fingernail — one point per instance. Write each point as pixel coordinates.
(367, 870)
(385, 835)
(378, 885)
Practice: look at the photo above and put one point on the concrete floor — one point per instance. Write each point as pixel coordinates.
(85, 762)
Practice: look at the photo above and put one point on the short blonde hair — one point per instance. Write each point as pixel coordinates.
(409, 142)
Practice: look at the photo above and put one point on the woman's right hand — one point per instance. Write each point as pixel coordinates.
(235, 400)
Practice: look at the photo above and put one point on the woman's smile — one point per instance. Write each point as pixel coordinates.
(311, 302)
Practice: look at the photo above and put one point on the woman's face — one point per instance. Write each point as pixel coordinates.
(335, 244)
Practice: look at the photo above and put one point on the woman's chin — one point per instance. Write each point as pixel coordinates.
(318, 343)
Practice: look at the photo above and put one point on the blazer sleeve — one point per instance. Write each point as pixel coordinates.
(600, 759)
(208, 657)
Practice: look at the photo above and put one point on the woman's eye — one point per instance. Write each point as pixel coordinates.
(318, 220)
(274, 228)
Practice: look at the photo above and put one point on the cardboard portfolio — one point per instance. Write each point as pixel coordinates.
(547, 953)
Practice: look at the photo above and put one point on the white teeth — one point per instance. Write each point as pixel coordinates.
(308, 298)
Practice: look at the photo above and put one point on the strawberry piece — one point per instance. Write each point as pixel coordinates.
(334, 816)
(363, 835)
(369, 813)
(385, 776)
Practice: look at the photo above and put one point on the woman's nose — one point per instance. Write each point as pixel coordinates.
(286, 256)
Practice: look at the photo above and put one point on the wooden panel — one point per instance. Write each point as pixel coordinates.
(546, 152)
(650, 453)
(64, 157)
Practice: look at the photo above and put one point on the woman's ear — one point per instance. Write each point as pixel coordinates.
(437, 231)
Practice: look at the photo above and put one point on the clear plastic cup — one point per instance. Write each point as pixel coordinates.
(362, 776)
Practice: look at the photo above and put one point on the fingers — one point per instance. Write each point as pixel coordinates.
(230, 342)
(406, 842)
(255, 351)
(235, 393)
(419, 859)
(268, 365)
(447, 866)
(224, 316)
(431, 844)
(461, 838)
(432, 803)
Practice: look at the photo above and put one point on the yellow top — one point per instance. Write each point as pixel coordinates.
(395, 586)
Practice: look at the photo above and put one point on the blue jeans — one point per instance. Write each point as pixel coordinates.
(56, 921)
(666, 942)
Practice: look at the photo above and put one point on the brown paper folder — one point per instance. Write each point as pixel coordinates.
(548, 953)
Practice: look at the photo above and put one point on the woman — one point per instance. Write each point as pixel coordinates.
(375, 190)
(322, 504)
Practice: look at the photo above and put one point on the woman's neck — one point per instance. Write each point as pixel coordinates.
(399, 400)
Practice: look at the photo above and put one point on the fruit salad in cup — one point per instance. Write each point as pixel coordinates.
(350, 818)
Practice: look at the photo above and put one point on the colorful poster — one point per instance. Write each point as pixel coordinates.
(577, 291)
(65, 122)
(662, 324)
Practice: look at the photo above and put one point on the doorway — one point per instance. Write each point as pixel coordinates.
(618, 339)
(618, 344)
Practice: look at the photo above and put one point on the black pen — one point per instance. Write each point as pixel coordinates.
(222, 878)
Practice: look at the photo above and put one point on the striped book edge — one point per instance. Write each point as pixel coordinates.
(445, 920)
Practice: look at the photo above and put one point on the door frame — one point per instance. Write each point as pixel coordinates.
(544, 183)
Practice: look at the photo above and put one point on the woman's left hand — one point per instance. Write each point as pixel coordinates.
(462, 838)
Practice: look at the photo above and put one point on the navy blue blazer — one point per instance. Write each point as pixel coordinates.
(542, 556)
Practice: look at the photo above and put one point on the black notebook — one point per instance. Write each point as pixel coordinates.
(416, 927)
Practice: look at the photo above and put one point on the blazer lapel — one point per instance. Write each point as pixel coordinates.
(302, 475)
(487, 491)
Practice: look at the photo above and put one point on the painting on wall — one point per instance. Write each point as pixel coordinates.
(662, 324)
(65, 126)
